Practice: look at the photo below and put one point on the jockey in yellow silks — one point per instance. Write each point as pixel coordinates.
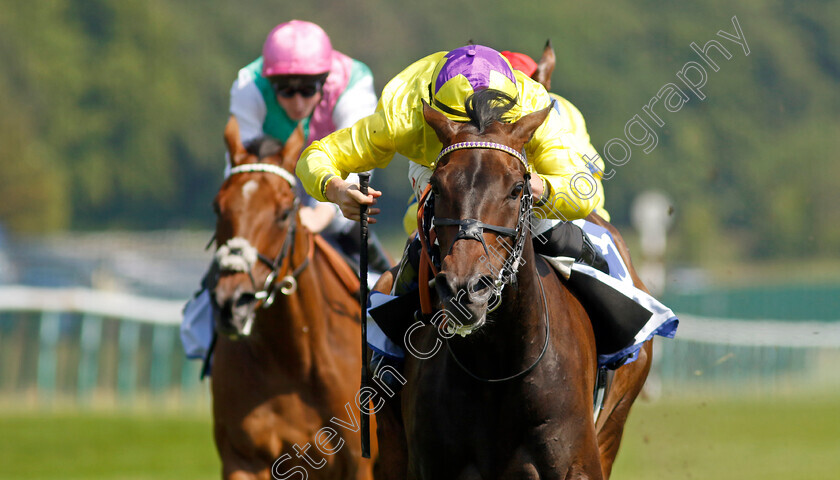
(563, 183)
(570, 119)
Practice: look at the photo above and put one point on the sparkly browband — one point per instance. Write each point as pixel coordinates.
(266, 168)
(491, 145)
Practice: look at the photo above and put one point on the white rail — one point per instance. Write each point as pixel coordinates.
(759, 333)
(95, 302)
(805, 333)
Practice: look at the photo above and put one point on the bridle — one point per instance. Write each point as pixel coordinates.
(473, 229)
(237, 255)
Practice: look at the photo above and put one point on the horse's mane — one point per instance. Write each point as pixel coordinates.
(263, 147)
(487, 106)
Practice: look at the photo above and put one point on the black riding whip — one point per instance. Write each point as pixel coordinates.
(364, 182)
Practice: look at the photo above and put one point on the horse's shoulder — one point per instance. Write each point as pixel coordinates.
(335, 266)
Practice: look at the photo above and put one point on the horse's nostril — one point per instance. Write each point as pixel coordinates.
(481, 284)
(246, 298)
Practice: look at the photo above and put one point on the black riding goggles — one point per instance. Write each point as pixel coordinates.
(307, 90)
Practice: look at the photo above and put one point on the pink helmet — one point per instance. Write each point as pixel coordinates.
(297, 48)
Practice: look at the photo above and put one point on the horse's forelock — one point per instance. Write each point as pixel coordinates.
(488, 106)
(263, 147)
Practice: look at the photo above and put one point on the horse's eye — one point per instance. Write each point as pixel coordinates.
(216, 209)
(284, 214)
(435, 190)
(517, 190)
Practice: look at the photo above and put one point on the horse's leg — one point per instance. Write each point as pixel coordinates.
(392, 462)
(627, 384)
(239, 466)
(628, 380)
(234, 467)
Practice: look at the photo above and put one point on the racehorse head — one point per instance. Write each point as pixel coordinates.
(482, 200)
(256, 216)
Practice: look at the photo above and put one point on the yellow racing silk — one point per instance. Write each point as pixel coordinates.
(398, 125)
(572, 120)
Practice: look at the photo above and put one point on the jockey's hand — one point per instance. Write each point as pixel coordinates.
(349, 198)
(537, 186)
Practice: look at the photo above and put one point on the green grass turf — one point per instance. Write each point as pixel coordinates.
(669, 439)
(766, 439)
(106, 446)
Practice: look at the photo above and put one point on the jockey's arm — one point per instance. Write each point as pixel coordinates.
(573, 120)
(247, 105)
(324, 165)
(357, 101)
(571, 191)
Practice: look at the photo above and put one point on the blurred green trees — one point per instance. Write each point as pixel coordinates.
(111, 112)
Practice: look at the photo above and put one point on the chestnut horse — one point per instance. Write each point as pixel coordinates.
(513, 398)
(287, 359)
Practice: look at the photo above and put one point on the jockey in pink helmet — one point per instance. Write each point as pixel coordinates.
(301, 79)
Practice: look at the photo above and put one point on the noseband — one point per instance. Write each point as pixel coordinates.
(238, 255)
(473, 229)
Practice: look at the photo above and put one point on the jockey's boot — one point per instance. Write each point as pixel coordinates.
(405, 283)
(568, 240)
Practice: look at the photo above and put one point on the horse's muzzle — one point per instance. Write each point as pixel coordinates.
(465, 300)
(234, 313)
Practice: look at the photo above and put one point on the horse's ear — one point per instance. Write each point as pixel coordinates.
(524, 128)
(291, 150)
(545, 67)
(236, 150)
(443, 127)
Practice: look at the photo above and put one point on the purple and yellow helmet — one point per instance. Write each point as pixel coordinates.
(466, 70)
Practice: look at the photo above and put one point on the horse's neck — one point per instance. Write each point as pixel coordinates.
(294, 328)
(522, 304)
(517, 328)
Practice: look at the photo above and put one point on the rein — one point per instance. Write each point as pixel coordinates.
(288, 282)
(523, 372)
(238, 248)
